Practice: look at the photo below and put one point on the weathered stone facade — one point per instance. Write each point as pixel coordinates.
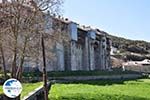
(86, 49)
(83, 48)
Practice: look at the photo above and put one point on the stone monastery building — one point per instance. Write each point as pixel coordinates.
(86, 49)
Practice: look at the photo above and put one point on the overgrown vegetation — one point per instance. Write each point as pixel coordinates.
(79, 73)
(102, 90)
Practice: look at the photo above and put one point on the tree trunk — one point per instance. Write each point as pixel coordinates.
(20, 68)
(13, 73)
(4, 65)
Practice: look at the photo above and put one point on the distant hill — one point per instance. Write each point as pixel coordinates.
(135, 50)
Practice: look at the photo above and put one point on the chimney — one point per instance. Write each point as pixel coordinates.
(83, 26)
(62, 18)
(54, 15)
(48, 12)
(66, 19)
(59, 16)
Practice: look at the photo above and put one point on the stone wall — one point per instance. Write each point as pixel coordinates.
(83, 51)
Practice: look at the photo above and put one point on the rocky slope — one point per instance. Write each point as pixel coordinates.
(130, 49)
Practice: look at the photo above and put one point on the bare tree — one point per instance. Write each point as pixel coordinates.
(20, 23)
(26, 24)
(1, 47)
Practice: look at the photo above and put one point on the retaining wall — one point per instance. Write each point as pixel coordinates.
(37, 94)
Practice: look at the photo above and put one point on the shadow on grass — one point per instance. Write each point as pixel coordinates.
(98, 82)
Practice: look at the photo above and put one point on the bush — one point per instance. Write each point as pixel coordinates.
(137, 49)
(135, 57)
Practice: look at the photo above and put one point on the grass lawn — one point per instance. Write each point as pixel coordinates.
(102, 90)
(27, 87)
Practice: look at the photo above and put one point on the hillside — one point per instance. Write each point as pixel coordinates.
(130, 49)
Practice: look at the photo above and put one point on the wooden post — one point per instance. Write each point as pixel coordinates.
(44, 69)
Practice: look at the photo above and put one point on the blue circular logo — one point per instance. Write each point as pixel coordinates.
(12, 88)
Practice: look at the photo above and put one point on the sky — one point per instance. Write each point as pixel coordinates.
(125, 18)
